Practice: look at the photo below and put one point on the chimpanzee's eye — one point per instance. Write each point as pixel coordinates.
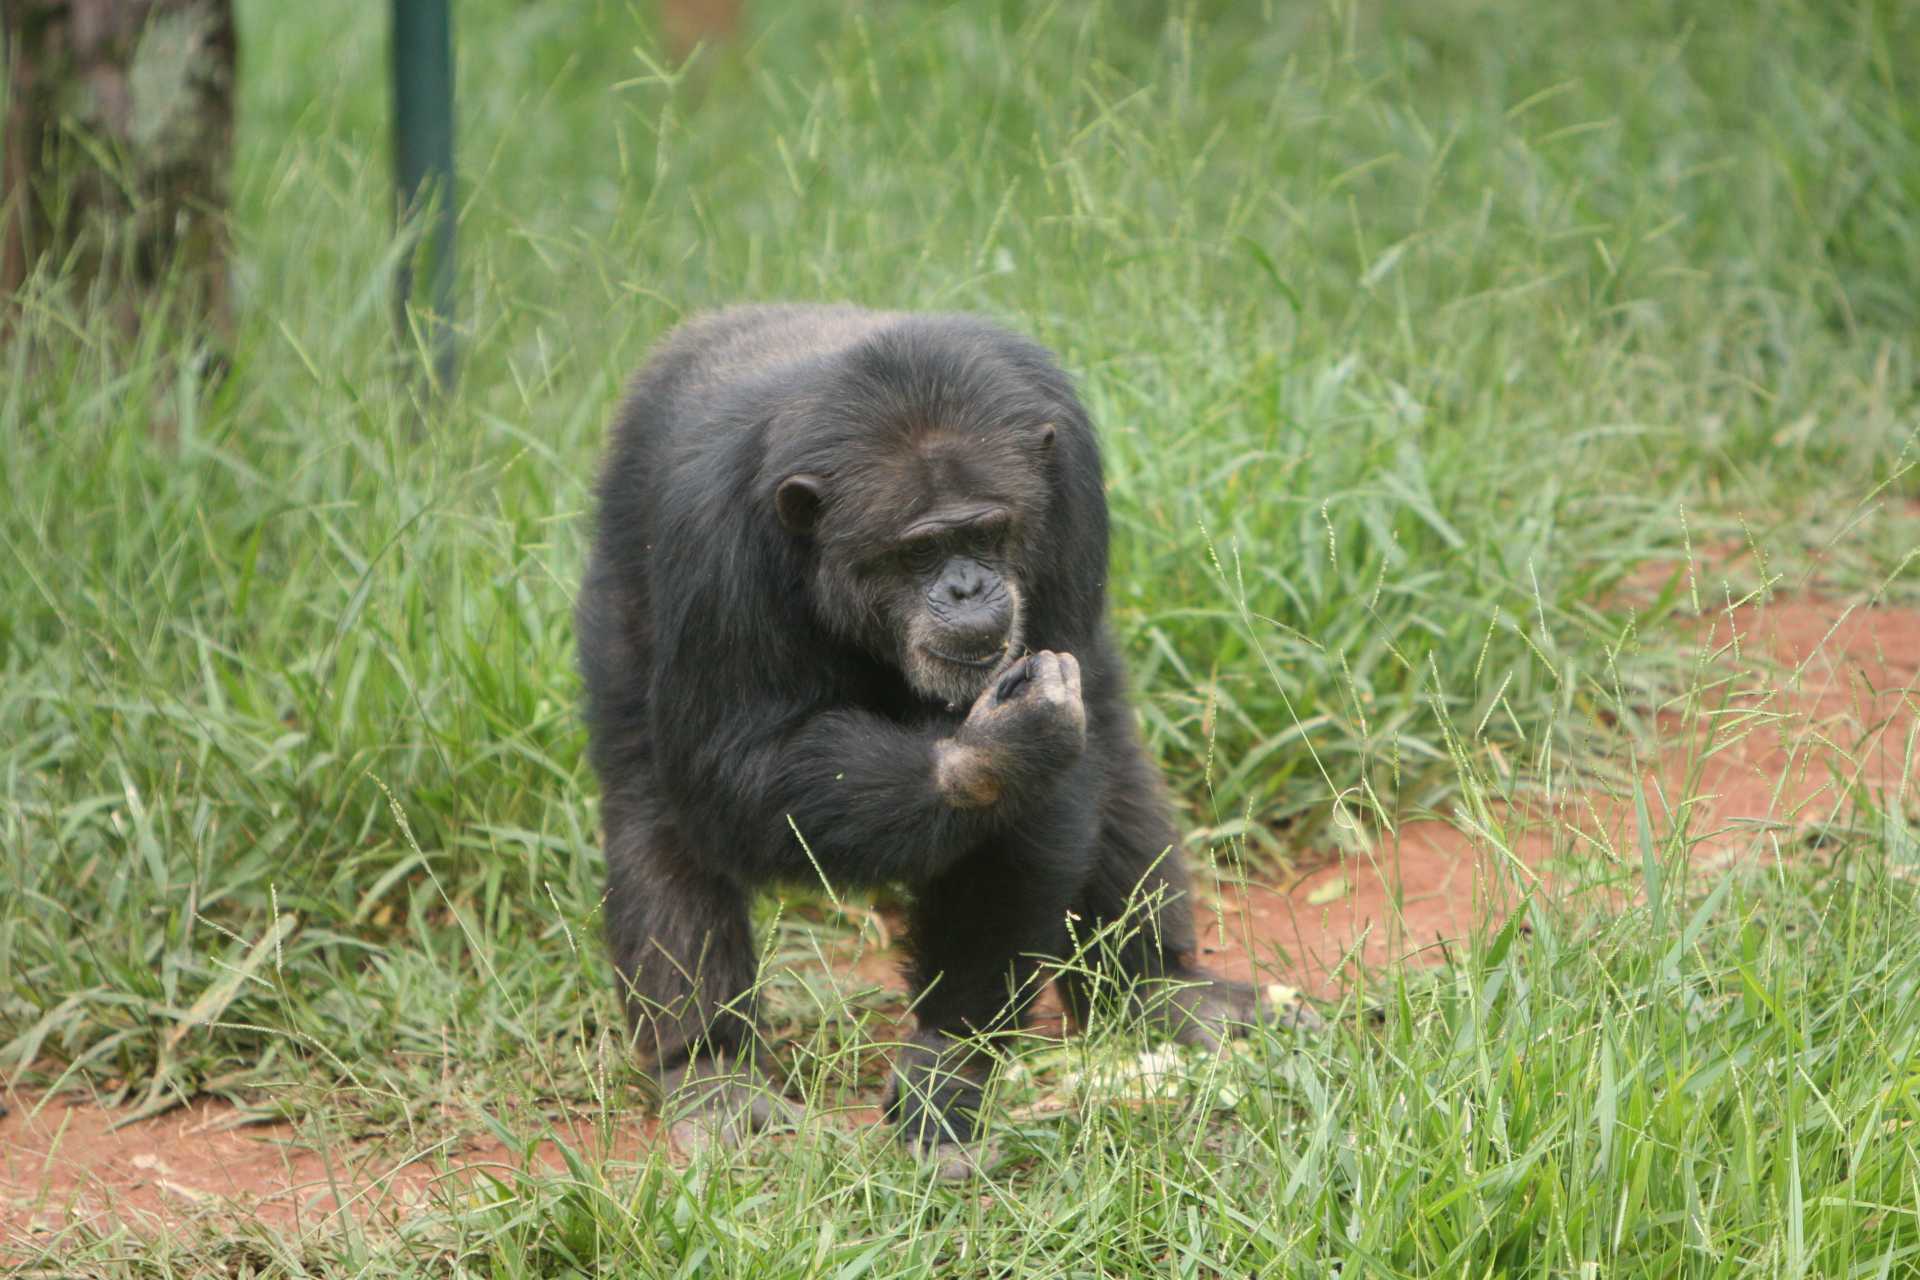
(991, 534)
(992, 539)
(922, 555)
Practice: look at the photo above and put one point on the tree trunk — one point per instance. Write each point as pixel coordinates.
(118, 140)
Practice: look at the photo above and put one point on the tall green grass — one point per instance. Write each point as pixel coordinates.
(1413, 330)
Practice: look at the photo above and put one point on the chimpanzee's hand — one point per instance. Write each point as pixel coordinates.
(1028, 724)
(1033, 715)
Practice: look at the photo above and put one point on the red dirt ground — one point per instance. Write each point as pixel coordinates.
(1839, 708)
(62, 1163)
(1837, 712)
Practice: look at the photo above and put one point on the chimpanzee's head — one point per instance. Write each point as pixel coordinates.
(927, 484)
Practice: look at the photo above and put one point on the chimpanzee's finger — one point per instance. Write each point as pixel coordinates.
(1070, 672)
(1015, 680)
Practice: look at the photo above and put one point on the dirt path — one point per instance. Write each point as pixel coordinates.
(1785, 750)
(62, 1163)
(1840, 710)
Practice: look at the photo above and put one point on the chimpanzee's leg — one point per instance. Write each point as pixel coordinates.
(980, 934)
(1137, 907)
(682, 942)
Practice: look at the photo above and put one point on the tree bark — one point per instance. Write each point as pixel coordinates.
(118, 141)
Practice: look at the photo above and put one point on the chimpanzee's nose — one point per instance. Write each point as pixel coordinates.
(966, 583)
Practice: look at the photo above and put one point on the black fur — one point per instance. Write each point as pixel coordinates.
(745, 677)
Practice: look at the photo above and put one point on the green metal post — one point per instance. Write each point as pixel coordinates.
(423, 165)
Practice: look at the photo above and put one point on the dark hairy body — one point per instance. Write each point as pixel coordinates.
(844, 615)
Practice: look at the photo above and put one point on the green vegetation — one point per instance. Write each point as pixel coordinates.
(1413, 330)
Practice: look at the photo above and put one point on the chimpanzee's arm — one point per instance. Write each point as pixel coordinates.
(874, 800)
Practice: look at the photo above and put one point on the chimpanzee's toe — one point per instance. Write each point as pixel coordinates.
(708, 1102)
(960, 1161)
(1211, 1011)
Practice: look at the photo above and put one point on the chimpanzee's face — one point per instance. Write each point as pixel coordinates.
(922, 563)
(953, 600)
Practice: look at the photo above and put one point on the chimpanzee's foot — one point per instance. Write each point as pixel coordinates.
(710, 1100)
(1205, 1011)
(939, 1087)
(960, 1161)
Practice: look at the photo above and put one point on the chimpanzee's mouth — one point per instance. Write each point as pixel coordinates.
(986, 659)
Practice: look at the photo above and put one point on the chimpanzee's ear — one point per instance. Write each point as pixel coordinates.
(797, 501)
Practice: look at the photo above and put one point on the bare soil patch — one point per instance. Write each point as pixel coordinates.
(63, 1165)
(1808, 701)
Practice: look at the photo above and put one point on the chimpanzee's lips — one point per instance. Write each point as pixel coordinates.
(986, 659)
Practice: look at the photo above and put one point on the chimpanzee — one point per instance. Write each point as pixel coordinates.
(844, 616)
